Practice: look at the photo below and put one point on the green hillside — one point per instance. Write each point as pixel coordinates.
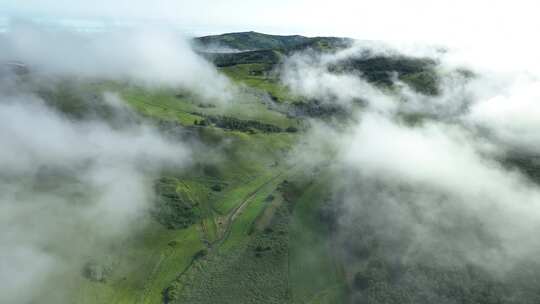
(251, 41)
(219, 232)
(258, 55)
(245, 222)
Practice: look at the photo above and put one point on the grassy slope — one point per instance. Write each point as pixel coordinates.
(252, 41)
(145, 267)
(149, 266)
(314, 277)
(165, 104)
(233, 273)
(250, 173)
(257, 250)
(253, 76)
(249, 41)
(276, 252)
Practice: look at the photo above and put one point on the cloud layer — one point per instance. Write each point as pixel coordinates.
(154, 57)
(67, 188)
(435, 189)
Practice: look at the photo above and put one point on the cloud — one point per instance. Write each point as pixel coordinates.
(435, 190)
(75, 185)
(512, 116)
(307, 74)
(67, 189)
(439, 175)
(152, 56)
(457, 22)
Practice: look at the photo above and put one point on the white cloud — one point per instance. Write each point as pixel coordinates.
(434, 177)
(438, 186)
(67, 188)
(155, 57)
(474, 23)
(512, 116)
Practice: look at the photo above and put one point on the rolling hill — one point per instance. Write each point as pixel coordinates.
(247, 221)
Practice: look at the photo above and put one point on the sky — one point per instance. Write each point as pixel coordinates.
(455, 22)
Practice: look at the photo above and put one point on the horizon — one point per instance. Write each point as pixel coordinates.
(459, 23)
(100, 26)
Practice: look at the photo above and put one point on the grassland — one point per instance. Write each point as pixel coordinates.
(314, 274)
(225, 232)
(149, 265)
(259, 76)
(242, 224)
(239, 248)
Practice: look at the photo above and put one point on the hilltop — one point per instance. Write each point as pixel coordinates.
(252, 54)
(253, 41)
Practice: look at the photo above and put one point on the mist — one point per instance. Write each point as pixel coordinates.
(74, 187)
(150, 56)
(68, 188)
(420, 179)
(435, 189)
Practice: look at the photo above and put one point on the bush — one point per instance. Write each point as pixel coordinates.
(292, 129)
(170, 209)
(235, 124)
(96, 272)
(200, 254)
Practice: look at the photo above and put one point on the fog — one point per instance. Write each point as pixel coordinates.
(435, 191)
(508, 24)
(68, 188)
(437, 178)
(151, 56)
(73, 188)
(512, 116)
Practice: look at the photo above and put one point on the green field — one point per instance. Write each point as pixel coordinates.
(316, 277)
(238, 240)
(266, 206)
(242, 223)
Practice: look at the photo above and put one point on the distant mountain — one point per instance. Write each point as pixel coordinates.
(253, 41)
(250, 41)
(247, 48)
(269, 57)
(322, 44)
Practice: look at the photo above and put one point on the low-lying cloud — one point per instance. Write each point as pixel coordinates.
(438, 177)
(434, 189)
(154, 57)
(67, 188)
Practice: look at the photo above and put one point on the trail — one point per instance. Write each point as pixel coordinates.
(238, 209)
(230, 220)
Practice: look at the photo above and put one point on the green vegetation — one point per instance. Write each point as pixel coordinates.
(235, 124)
(253, 41)
(252, 272)
(315, 276)
(241, 224)
(218, 232)
(419, 73)
(268, 57)
(529, 165)
(74, 99)
(174, 207)
(248, 41)
(261, 77)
